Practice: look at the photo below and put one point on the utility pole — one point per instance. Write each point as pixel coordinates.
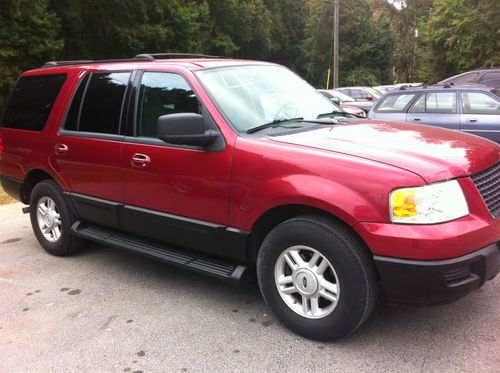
(336, 45)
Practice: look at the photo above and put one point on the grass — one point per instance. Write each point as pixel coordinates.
(4, 198)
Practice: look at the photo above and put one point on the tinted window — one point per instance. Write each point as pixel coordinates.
(103, 102)
(395, 102)
(161, 94)
(436, 102)
(479, 103)
(491, 79)
(31, 101)
(71, 122)
(465, 78)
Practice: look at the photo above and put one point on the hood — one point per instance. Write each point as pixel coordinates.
(433, 153)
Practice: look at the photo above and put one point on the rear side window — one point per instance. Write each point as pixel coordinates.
(436, 102)
(395, 103)
(479, 103)
(31, 101)
(163, 93)
(491, 79)
(101, 106)
(465, 78)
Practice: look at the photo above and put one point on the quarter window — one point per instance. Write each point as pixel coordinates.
(162, 94)
(479, 103)
(31, 101)
(395, 103)
(103, 101)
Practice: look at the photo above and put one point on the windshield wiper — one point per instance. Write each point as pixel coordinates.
(274, 123)
(337, 112)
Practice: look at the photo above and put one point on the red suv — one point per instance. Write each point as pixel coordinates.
(240, 168)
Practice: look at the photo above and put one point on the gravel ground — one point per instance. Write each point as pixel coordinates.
(104, 310)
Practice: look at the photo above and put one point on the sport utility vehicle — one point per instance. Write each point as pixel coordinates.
(489, 77)
(238, 168)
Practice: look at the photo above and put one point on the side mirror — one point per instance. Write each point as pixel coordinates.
(185, 129)
(369, 98)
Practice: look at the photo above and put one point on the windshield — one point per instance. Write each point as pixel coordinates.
(250, 96)
(374, 92)
(342, 96)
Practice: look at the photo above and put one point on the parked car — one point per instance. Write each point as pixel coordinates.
(385, 88)
(238, 168)
(346, 103)
(361, 93)
(468, 108)
(488, 76)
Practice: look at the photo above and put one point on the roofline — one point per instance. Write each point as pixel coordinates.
(138, 58)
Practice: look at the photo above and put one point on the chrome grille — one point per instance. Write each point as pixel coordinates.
(488, 184)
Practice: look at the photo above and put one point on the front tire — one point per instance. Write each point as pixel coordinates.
(51, 220)
(317, 277)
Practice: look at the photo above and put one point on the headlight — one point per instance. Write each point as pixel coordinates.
(429, 204)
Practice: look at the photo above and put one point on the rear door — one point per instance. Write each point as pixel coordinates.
(480, 114)
(87, 150)
(438, 108)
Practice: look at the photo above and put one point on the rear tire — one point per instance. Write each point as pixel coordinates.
(317, 277)
(51, 220)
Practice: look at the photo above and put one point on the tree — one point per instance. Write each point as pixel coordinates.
(365, 43)
(459, 35)
(29, 35)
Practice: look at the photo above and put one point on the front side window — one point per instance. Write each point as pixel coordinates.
(395, 103)
(479, 103)
(436, 102)
(160, 94)
(102, 104)
(31, 101)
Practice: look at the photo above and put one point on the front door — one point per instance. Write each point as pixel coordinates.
(175, 194)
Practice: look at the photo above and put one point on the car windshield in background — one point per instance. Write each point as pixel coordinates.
(496, 92)
(342, 96)
(250, 96)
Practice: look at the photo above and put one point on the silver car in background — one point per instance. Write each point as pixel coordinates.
(473, 109)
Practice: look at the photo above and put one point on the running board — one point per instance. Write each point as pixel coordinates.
(225, 271)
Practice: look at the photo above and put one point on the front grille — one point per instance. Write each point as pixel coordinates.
(488, 184)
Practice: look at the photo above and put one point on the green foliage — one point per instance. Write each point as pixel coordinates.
(377, 41)
(29, 37)
(365, 43)
(459, 35)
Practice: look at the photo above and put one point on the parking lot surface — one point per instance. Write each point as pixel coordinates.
(106, 310)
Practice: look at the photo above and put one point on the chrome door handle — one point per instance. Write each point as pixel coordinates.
(471, 120)
(416, 119)
(140, 160)
(61, 148)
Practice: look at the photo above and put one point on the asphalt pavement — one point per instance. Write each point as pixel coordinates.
(105, 310)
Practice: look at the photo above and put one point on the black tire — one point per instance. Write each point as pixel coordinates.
(351, 262)
(66, 244)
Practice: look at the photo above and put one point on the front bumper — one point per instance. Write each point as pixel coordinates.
(437, 281)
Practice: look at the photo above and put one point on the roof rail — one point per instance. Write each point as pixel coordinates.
(165, 56)
(139, 57)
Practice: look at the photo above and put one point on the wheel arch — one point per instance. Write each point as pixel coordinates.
(278, 214)
(33, 177)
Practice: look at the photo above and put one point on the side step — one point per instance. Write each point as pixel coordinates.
(225, 271)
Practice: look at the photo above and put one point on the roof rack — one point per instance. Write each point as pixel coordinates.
(139, 57)
(166, 56)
